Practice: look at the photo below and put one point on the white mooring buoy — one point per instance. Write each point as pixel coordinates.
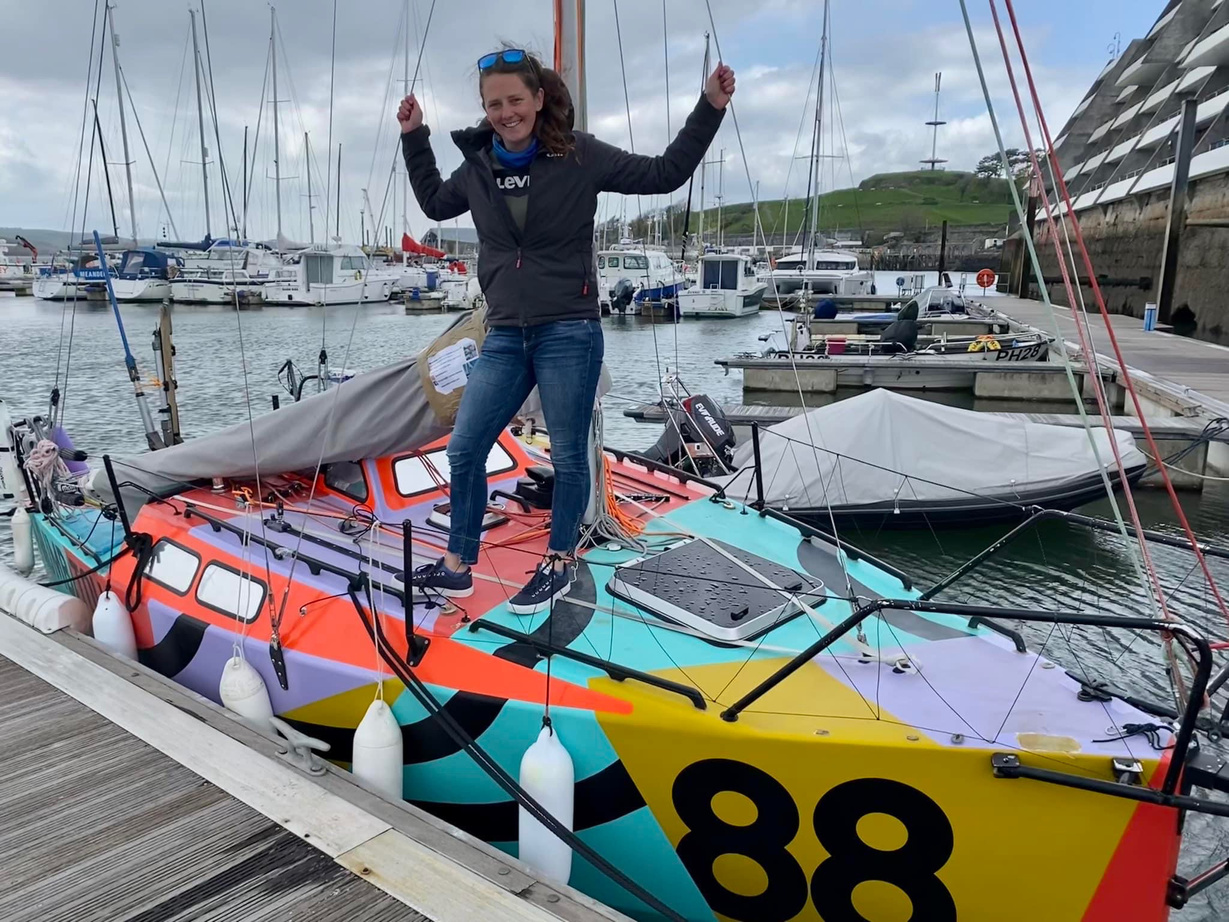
(548, 776)
(23, 542)
(377, 758)
(243, 691)
(113, 626)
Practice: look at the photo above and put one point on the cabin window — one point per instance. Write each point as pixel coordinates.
(346, 477)
(721, 273)
(614, 262)
(230, 592)
(601, 262)
(135, 262)
(172, 567)
(414, 476)
(635, 262)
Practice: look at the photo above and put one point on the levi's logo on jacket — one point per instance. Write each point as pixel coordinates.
(512, 183)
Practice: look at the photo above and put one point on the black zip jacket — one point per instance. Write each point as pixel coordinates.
(545, 273)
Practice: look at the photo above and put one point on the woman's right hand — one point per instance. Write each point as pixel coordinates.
(409, 114)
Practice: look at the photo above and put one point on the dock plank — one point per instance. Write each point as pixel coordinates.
(97, 826)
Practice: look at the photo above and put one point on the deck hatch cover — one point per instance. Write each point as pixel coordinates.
(696, 585)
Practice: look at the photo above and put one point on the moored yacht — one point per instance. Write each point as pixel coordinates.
(818, 272)
(335, 276)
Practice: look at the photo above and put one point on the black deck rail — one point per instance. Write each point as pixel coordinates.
(1187, 722)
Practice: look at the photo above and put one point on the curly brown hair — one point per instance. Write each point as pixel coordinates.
(555, 121)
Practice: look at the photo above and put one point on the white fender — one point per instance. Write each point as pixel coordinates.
(113, 626)
(23, 541)
(377, 756)
(548, 776)
(243, 691)
(43, 608)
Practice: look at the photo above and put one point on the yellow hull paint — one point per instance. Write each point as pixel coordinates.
(1019, 850)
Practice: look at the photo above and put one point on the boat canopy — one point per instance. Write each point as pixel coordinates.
(883, 446)
(146, 259)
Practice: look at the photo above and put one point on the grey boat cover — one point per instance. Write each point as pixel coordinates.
(882, 446)
(375, 413)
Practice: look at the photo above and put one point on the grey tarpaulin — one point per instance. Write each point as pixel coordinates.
(376, 413)
(881, 446)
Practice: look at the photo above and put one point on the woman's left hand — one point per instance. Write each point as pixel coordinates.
(720, 86)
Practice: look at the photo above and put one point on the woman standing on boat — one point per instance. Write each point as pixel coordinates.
(531, 183)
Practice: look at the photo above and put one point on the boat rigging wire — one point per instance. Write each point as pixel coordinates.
(1100, 301)
(59, 399)
(1045, 297)
(328, 426)
(780, 311)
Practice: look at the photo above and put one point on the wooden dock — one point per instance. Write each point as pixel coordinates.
(126, 798)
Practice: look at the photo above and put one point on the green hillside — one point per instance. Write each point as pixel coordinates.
(907, 202)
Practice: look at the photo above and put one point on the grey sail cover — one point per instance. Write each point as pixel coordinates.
(882, 446)
(372, 414)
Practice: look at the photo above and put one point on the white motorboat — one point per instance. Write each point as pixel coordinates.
(215, 286)
(338, 275)
(650, 273)
(16, 269)
(728, 288)
(817, 273)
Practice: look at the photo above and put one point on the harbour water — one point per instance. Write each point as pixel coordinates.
(1055, 567)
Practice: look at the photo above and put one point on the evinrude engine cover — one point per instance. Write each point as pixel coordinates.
(711, 423)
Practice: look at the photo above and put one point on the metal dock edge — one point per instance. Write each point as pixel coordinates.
(97, 825)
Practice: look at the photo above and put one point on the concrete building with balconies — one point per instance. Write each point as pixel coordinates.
(1117, 152)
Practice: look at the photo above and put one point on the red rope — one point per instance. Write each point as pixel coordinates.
(1084, 336)
(1096, 290)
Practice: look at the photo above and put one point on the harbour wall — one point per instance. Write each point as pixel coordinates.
(1125, 240)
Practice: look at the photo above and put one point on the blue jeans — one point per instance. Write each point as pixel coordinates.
(564, 359)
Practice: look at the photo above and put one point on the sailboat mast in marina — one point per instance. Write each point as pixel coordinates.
(123, 123)
(200, 121)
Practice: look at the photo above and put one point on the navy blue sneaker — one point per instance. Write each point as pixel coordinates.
(438, 579)
(543, 588)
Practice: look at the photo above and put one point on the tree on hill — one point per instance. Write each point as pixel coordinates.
(991, 165)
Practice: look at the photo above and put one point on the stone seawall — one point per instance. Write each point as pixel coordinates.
(1125, 240)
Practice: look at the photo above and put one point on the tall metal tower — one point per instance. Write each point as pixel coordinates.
(934, 161)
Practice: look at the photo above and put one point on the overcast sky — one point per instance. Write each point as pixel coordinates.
(884, 54)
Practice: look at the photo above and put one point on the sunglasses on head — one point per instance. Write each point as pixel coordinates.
(508, 56)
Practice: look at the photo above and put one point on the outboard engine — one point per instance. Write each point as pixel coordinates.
(697, 437)
(621, 298)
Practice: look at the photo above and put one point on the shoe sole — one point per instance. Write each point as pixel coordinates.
(446, 593)
(537, 607)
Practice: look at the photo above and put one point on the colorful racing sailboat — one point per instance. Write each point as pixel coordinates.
(763, 722)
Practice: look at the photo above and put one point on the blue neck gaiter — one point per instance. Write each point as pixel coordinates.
(513, 159)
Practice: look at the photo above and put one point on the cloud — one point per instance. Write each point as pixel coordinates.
(884, 79)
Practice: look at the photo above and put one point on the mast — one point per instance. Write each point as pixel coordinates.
(338, 232)
(243, 234)
(123, 125)
(277, 149)
(720, 199)
(307, 162)
(405, 174)
(200, 121)
(570, 55)
(703, 81)
(819, 137)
